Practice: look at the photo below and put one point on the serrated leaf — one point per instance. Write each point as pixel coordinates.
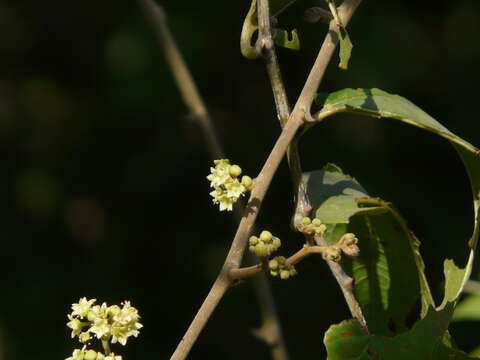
(347, 341)
(380, 104)
(282, 39)
(389, 262)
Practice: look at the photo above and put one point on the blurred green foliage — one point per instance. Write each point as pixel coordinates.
(104, 192)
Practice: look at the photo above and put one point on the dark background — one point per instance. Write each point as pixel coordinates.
(103, 190)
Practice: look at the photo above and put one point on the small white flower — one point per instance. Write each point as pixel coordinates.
(83, 307)
(235, 189)
(77, 355)
(125, 324)
(75, 324)
(220, 173)
(224, 179)
(100, 327)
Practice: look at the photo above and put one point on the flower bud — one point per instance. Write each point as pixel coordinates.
(235, 170)
(261, 250)
(306, 221)
(253, 240)
(90, 355)
(352, 250)
(333, 253)
(247, 182)
(349, 239)
(273, 264)
(316, 222)
(284, 274)
(276, 242)
(266, 236)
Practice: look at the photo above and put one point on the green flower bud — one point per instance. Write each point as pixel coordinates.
(316, 222)
(306, 221)
(235, 170)
(100, 356)
(261, 250)
(270, 248)
(284, 274)
(333, 254)
(266, 236)
(90, 355)
(322, 228)
(251, 248)
(293, 271)
(276, 243)
(247, 182)
(273, 264)
(274, 272)
(253, 240)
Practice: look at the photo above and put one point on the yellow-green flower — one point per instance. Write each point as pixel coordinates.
(83, 307)
(224, 178)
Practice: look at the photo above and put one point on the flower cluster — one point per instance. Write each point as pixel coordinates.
(312, 227)
(84, 354)
(227, 188)
(264, 245)
(107, 323)
(279, 266)
(346, 245)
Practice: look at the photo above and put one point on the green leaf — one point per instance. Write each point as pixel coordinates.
(345, 43)
(475, 352)
(347, 341)
(380, 104)
(468, 309)
(345, 48)
(389, 262)
(282, 39)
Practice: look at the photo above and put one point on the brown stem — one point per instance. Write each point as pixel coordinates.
(193, 100)
(262, 183)
(183, 78)
(346, 284)
(246, 272)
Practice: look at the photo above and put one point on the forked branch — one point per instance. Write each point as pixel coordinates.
(296, 119)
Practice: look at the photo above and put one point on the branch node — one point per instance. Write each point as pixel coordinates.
(307, 116)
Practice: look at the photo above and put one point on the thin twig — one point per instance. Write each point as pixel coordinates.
(266, 47)
(472, 287)
(346, 284)
(193, 100)
(296, 119)
(183, 78)
(246, 272)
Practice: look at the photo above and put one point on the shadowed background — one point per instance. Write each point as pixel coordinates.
(103, 173)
